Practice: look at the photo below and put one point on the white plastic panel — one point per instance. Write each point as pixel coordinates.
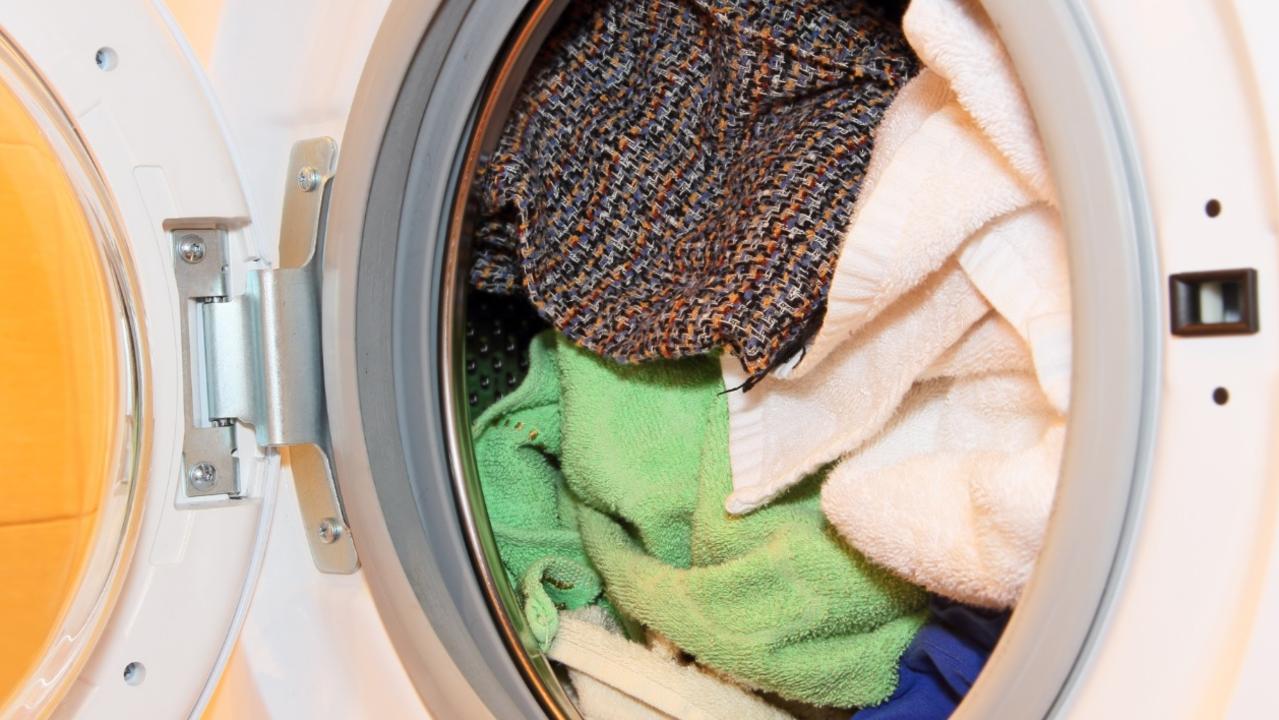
(1186, 612)
(1255, 692)
(312, 644)
(155, 137)
(284, 71)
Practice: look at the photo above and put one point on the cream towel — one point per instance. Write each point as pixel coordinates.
(1020, 266)
(616, 679)
(955, 493)
(782, 431)
(991, 346)
(956, 40)
(942, 185)
(957, 216)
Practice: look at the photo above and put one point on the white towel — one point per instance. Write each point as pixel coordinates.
(957, 216)
(783, 430)
(954, 494)
(616, 679)
(1020, 266)
(956, 39)
(942, 185)
(991, 346)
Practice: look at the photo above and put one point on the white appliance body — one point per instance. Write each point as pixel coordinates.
(222, 598)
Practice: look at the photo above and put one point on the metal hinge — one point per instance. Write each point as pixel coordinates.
(256, 359)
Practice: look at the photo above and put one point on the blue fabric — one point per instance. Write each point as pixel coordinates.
(942, 663)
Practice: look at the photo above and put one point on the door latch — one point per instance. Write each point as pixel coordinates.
(256, 359)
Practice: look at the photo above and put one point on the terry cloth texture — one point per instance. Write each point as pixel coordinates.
(637, 456)
(616, 679)
(775, 600)
(962, 150)
(955, 492)
(530, 509)
(676, 175)
(942, 663)
(954, 268)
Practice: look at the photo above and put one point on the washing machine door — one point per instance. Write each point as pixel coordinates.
(134, 493)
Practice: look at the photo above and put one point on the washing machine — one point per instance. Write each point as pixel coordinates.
(239, 479)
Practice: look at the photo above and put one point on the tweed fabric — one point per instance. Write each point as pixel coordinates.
(676, 175)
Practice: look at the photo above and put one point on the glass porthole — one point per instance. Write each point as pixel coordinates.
(70, 424)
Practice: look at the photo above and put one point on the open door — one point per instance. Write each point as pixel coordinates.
(127, 547)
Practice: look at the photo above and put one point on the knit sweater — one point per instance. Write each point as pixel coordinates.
(676, 175)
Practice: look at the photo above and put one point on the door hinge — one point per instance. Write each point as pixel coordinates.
(255, 358)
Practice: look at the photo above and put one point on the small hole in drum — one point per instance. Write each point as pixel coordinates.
(1221, 396)
(1213, 208)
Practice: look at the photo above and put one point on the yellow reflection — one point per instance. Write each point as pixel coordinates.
(58, 392)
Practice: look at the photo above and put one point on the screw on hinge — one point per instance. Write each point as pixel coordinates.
(202, 476)
(331, 529)
(308, 179)
(191, 249)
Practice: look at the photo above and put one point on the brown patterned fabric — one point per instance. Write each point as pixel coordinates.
(676, 175)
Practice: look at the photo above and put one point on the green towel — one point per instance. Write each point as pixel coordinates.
(530, 509)
(773, 599)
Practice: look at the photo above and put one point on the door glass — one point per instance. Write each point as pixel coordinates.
(67, 410)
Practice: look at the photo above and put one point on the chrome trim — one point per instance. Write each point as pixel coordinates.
(503, 602)
(208, 449)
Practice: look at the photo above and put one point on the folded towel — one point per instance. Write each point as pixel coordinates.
(956, 39)
(1020, 266)
(675, 176)
(955, 492)
(616, 679)
(991, 346)
(783, 430)
(774, 599)
(529, 507)
(957, 197)
(942, 185)
(957, 149)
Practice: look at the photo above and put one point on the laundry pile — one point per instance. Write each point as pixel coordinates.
(790, 442)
